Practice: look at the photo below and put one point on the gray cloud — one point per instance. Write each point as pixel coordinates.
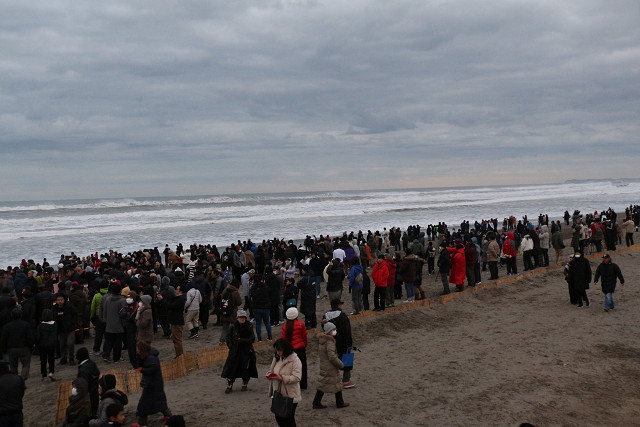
(256, 96)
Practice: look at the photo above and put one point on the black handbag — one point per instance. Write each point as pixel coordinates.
(280, 405)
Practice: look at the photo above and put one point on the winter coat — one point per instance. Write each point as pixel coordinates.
(144, 324)
(275, 290)
(176, 310)
(232, 295)
(509, 246)
(47, 334)
(608, 272)
(493, 251)
(353, 273)
(343, 338)
(444, 262)
(240, 343)
(470, 254)
(193, 300)
(79, 410)
(380, 274)
(392, 267)
(330, 379)
(458, 266)
(579, 275)
(290, 369)
(629, 226)
(260, 296)
(153, 398)
(335, 276)
(544, 237)
(556, 240)
(65, 317)
(108, 398)
(299, 336)
(16, 334)
(90, 372)
(408, 269)
(111, 306)
(307, 295)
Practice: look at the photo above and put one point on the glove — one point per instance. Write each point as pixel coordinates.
(140, 369)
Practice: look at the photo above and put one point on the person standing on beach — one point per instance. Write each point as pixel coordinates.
(112, 303)
(444, 267)
(65, 317)
(307, 297)
(330, 366)
(380, 275)
(230, 301)
(579, 277)
(344, 342)
(609, 272)
(630, 228)
(558, 244)
(335, 276)
(493, 255)
(241, 361)
(431, 257)
(458, 265)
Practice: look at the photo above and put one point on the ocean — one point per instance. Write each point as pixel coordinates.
(46, 229)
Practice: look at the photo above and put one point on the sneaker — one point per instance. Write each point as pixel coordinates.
(344, 405)
(51, 377)
(193, 336)
(228, 390)
(95, 353)
(579, 306)
(348, 384)
(244, 387)
(606, 309)
(319, 406)
(409, 300)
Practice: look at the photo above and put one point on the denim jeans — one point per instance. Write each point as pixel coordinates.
(409, 288)
(608, 301)
(262, 315)
(317, 280)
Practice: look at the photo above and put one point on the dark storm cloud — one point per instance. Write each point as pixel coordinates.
(410, 90)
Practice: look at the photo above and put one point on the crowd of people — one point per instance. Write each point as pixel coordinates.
(130, 299)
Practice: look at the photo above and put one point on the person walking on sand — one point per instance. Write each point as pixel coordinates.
(153, 398)
(241, 361)
(285, 376)
(609, 272)
(344, 340)
(579, 277)
(295, 332)
(330, 366)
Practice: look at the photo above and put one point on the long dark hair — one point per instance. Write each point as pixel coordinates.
(283, 345)
(289, 326)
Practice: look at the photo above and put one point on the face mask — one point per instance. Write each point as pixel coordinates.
(74, 391)
(333, 333)
(129, 300)
(577, 256)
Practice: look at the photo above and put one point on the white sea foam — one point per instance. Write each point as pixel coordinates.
(44, 229)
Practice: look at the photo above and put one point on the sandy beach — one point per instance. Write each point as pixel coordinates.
(513, 352)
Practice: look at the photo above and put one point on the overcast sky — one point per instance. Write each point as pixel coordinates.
(151, 98)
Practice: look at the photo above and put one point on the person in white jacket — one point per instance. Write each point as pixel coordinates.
(192, 311)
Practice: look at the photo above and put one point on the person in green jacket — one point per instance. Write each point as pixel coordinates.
(96, 308)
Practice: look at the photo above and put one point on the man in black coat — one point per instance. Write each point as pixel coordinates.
(307, 297)
(11, 393)
(444, 267)
(579, 277)
(65, 316)
(17, 340)
(176, 318)
(610, 273)
(88, 370)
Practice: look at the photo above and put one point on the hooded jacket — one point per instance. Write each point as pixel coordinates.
(330, 380)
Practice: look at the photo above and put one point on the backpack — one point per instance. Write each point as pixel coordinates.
(366, 284)
(225, 305)
(359, 279)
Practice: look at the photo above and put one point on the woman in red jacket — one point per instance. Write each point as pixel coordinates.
(458, 265)
(295, 332)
